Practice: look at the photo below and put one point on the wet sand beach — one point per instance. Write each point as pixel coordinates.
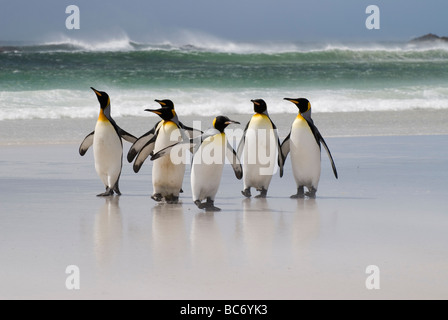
(388, 209)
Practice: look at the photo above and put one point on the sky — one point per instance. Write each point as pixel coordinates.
(234, 20)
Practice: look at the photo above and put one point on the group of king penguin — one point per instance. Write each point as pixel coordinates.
(303, 142)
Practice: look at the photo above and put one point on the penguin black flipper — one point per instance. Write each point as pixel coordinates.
(329, 156)
(240, 148)
(234, 161)
(191, 131)
(163, 152)
(197, 142)
(193, 135)
(193, 144)
(144, 153)
(121, 133)
(285, 147)
(141, 142)
(320, 140)
(126, 136)
(279, 149)
(86, 144)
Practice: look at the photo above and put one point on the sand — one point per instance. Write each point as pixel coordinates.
(388, 209)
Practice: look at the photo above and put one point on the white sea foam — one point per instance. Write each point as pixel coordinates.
(57, 104)
(187, 40)
(429, 92)
(120, 42)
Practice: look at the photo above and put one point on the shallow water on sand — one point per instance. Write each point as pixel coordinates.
(387, 209)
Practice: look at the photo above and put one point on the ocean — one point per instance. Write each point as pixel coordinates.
(52, 80)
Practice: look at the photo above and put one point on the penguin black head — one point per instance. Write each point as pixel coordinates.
(303, 104)
(259, 106)
(166, 112)
(103, 98)
(221, 122)
(166, 103)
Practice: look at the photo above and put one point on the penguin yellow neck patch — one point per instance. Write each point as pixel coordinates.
(300, 117)
(102, 116)
(169, 123)
(260, 115)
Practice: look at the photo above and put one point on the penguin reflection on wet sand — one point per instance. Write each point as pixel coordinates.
(304, 143)
(167, 177)
(107, 146)
(209, 153)
(261, 147)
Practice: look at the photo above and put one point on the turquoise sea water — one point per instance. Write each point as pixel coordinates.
(52, 80)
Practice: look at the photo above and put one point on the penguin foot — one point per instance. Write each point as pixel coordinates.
(208, 206)
(198, 204)
(212, 209)
(109, 192)
(157, 197)
(201, 205)
(263, 193)
(311, 193)
(300, 194)
(172, 199)
(246, 193)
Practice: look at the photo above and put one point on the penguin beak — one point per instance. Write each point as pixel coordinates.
(231, 121)
(160, 102)
(292, 100)
(255, 102)
(96, 91)
(158, 112)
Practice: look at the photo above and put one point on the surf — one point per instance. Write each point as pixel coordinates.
(206, 75)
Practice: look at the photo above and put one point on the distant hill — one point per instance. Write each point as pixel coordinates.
(429, 38)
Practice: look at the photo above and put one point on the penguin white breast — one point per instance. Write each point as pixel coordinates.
(305, 154)
(108, 152)
(168, 172)
(260, 152)
(208, 164)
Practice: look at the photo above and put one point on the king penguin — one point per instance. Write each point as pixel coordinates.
(167, 176)
(209, 153)
(261, 147)
(304, 142)
(107, 146)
